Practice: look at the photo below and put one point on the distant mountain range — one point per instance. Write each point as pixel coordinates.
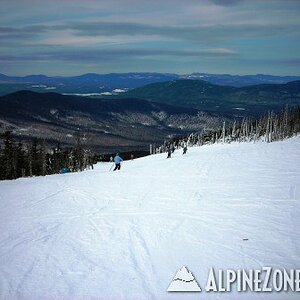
(241, 80)
(97, 85)
(135, 118)
(225, 100)
(105, 124)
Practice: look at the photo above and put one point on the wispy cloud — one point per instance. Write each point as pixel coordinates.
(117, 54)
(203, 34)
(196, 31)
(227, 2)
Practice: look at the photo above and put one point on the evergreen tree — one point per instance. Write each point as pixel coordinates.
(8, 163)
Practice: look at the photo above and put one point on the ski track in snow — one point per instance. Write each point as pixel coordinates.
(122, 235)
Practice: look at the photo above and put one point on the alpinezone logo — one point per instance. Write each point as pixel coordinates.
(263, 280)
(184, 281)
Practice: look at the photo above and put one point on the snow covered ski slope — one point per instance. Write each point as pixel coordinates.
(124, 235)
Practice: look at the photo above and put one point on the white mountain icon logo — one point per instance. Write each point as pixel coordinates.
(184, 281)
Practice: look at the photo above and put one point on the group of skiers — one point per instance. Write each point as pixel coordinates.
(171, 150)
(118, 159)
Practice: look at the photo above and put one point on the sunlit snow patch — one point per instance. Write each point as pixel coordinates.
(119, 91)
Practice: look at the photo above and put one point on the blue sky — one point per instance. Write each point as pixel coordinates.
(72, 37)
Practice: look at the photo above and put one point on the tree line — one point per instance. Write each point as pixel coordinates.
(36, 158)
(270, 127)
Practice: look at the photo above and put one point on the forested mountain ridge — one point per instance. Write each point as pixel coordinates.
(250, 100)
(106, 124)
(93, 84)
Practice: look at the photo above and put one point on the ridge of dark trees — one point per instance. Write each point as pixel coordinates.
(35, 158)
(269, 127)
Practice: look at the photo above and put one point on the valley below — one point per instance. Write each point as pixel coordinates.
(103, 125)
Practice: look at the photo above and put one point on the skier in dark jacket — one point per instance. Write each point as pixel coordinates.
(184, 149)
(118, 159)
(173, 148)
(169, 151)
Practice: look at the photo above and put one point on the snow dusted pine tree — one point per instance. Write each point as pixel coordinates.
(269, 128)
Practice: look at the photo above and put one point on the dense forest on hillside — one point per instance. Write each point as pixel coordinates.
(270, 127)
(252, 100)
(35, 158)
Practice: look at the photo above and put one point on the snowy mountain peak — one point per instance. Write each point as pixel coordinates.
(184, 281)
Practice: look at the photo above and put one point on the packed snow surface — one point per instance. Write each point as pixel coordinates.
(109, 235)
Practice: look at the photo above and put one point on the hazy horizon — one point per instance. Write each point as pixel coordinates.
(144, 72)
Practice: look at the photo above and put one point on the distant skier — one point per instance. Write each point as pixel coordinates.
(169, 151)
(111, 159)
(118, 159)
(173, 148)
(184, 149)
